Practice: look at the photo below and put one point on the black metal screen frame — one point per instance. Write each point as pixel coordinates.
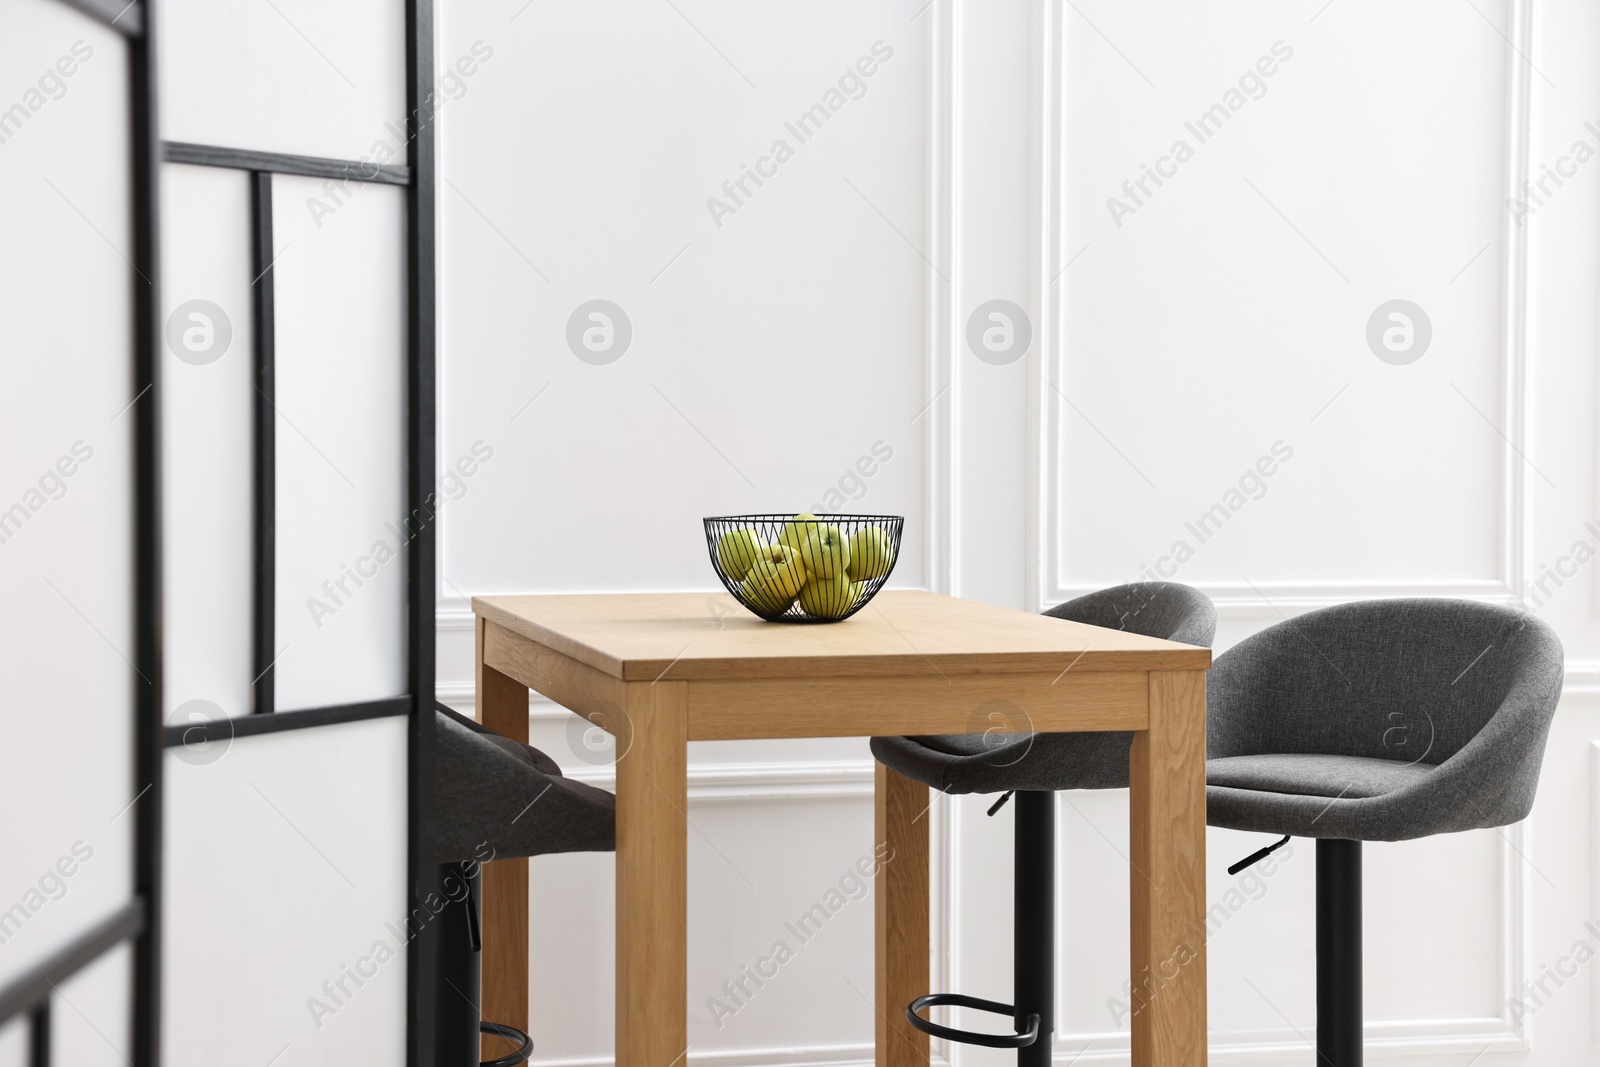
(418, 181)
(422, 954)
(264, 482)
(260, 167)
(139, 919)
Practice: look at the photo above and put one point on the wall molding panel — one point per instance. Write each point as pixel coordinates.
(941, 425)
(770, 780)
(1582, 679)
(1594, 883)
(1238, 599)
(1405, 1037)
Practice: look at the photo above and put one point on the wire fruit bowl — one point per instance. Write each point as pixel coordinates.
(804, 568)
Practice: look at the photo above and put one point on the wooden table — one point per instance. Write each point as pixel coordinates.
(661, 670)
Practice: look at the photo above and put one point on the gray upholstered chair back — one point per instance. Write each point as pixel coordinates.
(1166, 610)
(498, 798)
(1410, 680)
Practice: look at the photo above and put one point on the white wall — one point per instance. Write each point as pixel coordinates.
(1169, 353)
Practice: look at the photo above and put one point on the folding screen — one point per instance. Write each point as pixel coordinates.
(298, 350)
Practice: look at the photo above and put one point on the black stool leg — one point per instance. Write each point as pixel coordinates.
(456, 998)
(1339, 1015)
(1034, 928)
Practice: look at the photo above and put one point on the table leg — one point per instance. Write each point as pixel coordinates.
(1168, 880)
(503, 708)
(652, 877)
(901, 966)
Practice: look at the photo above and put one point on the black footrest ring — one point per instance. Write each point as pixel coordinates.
(968, 1037)
(510, 1033)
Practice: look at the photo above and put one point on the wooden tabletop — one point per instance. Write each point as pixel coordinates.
(686, 636)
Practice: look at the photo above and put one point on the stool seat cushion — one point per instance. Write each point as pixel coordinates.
(500, 799)
(995, 762)
(1312, 775)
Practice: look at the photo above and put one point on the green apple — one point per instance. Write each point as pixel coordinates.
(737, 552)
(826, 598)
(764, 600)
(871, 553)
(794, 533)
(826, 552)
(774, 578)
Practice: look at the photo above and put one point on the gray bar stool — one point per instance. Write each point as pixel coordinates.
(1035, 766)
(1383, 720)
(500, 799)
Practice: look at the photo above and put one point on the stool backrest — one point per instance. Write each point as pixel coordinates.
(496, 797)
(1408, 680)
(1166, 610)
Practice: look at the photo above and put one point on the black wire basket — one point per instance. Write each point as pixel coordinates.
(804, 568)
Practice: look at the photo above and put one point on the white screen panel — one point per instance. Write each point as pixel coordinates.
(341, 519)
(66, 475)
(296, 76)
(90, 1016)
(14, 1043)
(207, 397)
(1216, 312)
(290, 850)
